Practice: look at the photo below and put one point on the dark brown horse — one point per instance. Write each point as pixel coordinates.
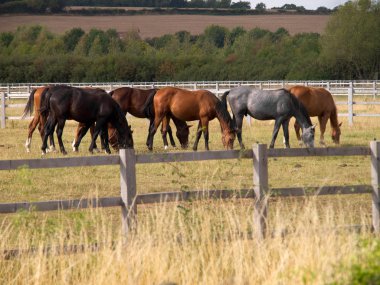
(63, 103)
(187, 105)
(132, 101)
(318, 103)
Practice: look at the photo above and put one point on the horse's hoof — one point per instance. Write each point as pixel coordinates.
(97, 150)
(75, 149)
(107, 151)
(28, 150)
(64, 152)
(166, 147)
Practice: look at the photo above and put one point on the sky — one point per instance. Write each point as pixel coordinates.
(311, 5)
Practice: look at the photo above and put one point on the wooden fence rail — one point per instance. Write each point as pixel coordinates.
(128, 200)
(337, 88)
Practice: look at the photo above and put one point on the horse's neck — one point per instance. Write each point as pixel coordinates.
(225, 126)
(301, 118)
(334, 120)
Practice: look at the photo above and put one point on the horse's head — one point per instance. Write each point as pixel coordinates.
(336, 134)
(228, 138)
(183, 135)
(308, 136)
(118, 141)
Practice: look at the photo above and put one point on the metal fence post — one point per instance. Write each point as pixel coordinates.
(350, 104)
(2, 110)
(260, 186)
(128, 188)
(375, 177)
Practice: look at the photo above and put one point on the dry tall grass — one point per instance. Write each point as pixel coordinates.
(208, 242)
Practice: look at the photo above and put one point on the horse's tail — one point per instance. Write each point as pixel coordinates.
(148, 107)
(224, 98)
(44, 105)
(29, 105)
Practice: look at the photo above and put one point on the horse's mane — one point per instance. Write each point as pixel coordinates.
(221, 110)
(148, 107)
(297, 103)
(29, 105)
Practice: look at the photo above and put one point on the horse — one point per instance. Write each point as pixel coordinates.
(188, 105)
(279, 105)
(63, 103)
(132, 100)
(34, 102)
(318, 102)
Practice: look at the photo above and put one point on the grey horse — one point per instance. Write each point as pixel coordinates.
(279, 105)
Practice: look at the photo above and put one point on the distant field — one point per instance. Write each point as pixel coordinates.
(158, 25)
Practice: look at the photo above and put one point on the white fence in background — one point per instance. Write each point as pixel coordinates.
(349, 89)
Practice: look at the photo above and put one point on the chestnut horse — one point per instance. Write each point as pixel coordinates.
(188, 105)
(38, 120)
(89, 107)
(132, 101)
(318, 102)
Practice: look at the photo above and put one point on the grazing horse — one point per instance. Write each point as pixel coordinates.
(38, 120)
(69, 103)
(279, 105)
(318, 102)
(34, 102)
(187, 105)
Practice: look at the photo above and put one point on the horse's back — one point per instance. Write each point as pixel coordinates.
(132, 100)
(316, 100)
(260, 104)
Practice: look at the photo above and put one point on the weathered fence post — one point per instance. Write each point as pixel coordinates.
(2, 110)
(260, 186)
(128, 188)
(375, 175)
(350, 105)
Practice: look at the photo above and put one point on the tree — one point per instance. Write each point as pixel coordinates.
(351, 43)
(261, 7)
(241, 5)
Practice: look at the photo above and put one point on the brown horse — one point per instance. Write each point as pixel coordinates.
(132, 101)
(318, 102)
(33, 103)
(187, 105)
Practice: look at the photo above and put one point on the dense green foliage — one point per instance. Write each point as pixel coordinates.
(350, 50)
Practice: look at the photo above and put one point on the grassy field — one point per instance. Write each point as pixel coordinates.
(206, 242)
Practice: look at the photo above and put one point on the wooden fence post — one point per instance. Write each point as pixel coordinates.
(260, 186)
(375, 177)
(350, 105)
(128, 188)
(2, 110)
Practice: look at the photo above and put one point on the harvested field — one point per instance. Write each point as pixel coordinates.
(158, 25)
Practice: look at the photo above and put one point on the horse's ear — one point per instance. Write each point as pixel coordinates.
(189, 126)
(340, 124)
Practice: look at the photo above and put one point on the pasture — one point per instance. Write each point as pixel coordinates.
(205, 242)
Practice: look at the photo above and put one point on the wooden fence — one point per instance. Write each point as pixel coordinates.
(129, 199)
(337, 88)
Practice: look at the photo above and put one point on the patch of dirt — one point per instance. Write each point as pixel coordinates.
(157, 25)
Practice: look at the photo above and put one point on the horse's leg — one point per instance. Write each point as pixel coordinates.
(99, 125)
(41, 128)
(197, 136)
(92, 130)
(32, 126)
(151, 125)
(297, 128)
(170, 133)
(322, 126)
(153, 128)
(164, 130)
(104, 139)
(205, 132)
(48, 130)
(60, 126)
(277, 125)
(285, 128)
(81, 132)
(239, 125)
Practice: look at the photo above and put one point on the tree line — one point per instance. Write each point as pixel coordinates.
(349, 49)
